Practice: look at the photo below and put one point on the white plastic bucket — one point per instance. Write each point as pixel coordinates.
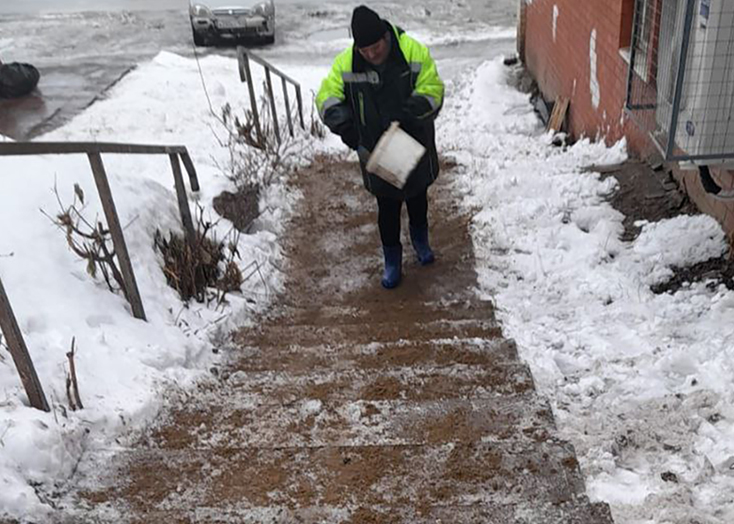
(395, 156)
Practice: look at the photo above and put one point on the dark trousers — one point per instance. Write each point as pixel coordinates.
(388, 216)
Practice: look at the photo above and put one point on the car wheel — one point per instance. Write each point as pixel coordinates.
(200, 39)
(269, 39)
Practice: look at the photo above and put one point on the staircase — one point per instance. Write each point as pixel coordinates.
(351, 404)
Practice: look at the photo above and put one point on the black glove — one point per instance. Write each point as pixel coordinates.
(417, 109)
(364, 154)
(350, 137)
(339, 120)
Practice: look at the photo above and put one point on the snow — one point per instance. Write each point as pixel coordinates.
(123, 364)
(6, 44)
(641, 384)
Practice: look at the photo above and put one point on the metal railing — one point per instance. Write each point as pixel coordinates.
(94, 151)
(244, 56)
(680, 83)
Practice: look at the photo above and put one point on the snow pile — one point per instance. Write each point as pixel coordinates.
(641, 384)
(122, 363)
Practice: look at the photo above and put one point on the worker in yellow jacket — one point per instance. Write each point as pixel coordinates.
(387, 76)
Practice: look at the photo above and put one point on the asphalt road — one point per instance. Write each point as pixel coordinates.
(81, 53)
(75, 6)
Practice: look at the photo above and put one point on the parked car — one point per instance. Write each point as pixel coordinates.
(251, 19)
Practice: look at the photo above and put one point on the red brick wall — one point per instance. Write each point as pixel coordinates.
(562, 67)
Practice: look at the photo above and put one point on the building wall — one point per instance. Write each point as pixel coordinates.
(581, 60)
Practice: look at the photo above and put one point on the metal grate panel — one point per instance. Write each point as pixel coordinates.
(681, 77)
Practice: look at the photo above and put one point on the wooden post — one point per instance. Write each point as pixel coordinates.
(113, 222)
(287, 104)
(20, 354)
(558, 115)
(253, 102)
(183, 202)
(269, 81)
(189, 165)
(300, 105)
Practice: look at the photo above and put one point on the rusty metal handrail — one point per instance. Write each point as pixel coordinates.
(243, 60)
(53, 148)
(94, 151)
(19, 351)
(64, 148)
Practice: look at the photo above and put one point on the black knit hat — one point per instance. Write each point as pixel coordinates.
(367, 26)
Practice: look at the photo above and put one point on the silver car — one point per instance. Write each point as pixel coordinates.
(251, 19)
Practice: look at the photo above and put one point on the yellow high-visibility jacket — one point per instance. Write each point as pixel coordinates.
(358, 101)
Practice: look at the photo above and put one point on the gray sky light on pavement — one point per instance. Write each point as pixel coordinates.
(72, 6)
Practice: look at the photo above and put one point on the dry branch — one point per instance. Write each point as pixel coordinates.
(89, 242)
(72, 386)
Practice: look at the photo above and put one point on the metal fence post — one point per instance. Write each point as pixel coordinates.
(287, 105)
(681, 78)
(253, 103)
(300, 106)
(19, 351)
(269, 81)
(243, 61)
(633, 52)
(183, 202)
(191, 170)
(113, 222)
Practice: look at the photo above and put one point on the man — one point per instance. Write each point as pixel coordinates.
(387, 76)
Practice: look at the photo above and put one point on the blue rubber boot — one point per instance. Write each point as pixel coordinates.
(419, 239)
(393, 266)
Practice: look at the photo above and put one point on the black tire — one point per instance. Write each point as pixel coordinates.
(200, 39)
(268, 39)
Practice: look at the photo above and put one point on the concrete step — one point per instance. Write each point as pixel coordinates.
(315, 423)
(319, 419)
(269, 335)
(289, 355)
(418, 382)
(378, 312)
(422, 479)
(578, 511)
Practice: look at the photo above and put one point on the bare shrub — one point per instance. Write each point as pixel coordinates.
(255, 161)
(267, 158)
(90, 241)
(205, 271)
